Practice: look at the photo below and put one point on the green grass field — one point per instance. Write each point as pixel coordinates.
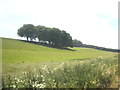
(28, 65)
(18, 51)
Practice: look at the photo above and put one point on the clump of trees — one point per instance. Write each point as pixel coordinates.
(77, 43)
(52, 36)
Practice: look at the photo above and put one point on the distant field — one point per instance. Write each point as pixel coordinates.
(18, 51)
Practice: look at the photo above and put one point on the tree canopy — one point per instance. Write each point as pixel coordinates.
(28, 31)
(77, 43)
(53, 36)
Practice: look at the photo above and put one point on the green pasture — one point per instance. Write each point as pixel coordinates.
(14, 51)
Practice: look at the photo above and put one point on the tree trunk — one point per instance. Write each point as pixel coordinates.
(27, 38)
(49, 42)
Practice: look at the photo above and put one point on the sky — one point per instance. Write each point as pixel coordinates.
(93, 22)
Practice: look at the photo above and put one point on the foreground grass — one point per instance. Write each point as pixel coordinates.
(95, 73)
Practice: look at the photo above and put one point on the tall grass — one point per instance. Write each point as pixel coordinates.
(92, 73)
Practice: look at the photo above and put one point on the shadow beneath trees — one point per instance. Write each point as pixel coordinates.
(47, 45)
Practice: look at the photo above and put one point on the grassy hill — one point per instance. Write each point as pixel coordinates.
(18, 51)
(27, 65)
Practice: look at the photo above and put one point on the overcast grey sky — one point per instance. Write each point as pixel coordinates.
(93, 22)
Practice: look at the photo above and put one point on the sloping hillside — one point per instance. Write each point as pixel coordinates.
(18, 51)
(26, 65)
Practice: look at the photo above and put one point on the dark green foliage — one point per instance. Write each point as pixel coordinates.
(51, 36)
(66, 39)
(55, 37)
(77, 43)
(28, 31)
